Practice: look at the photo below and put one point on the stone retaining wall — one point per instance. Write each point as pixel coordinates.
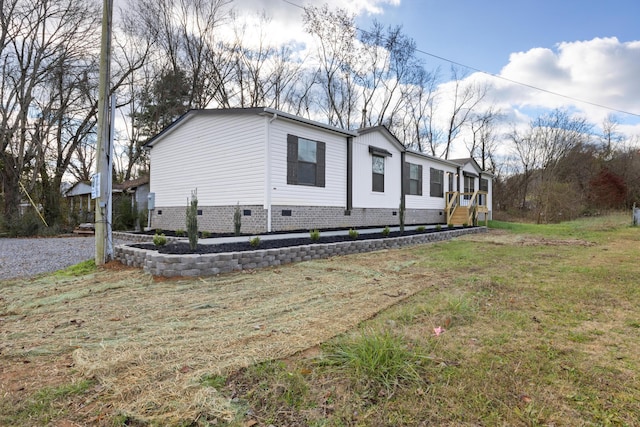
(211, 264)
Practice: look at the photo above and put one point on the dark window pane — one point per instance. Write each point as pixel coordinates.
(378, 182)
(306, 173)
(436, 187)
(413, 186)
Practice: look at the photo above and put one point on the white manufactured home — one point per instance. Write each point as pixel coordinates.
(285, 172)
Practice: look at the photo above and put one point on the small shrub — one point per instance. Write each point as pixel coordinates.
(465, 225)
(450, 225)
(254, 242)
(237, 220)
(420, 229)
(314, 235)
(438, 227)
(353, 233)
(159, 239)
(206, 234)
(180, 232)
(192, 220)
(386, 231)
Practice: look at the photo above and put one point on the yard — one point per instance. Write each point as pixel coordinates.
(526, 325)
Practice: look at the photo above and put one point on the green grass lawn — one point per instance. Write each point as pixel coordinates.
(526, 325)
(541, 327)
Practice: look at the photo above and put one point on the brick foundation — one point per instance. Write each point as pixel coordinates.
(219, 219)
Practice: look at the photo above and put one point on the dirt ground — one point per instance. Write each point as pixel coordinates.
(147, 343)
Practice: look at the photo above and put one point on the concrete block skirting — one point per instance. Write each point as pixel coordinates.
(211, 264)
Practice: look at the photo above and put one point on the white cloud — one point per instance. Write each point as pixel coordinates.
(602, 71)
(286, 22)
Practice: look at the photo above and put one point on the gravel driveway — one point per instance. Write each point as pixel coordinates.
(29, 257)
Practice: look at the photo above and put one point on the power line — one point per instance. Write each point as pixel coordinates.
(497, 76)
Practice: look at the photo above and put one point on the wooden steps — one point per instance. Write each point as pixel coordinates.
(460, 216)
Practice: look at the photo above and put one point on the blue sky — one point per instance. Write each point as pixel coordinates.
(484, 34)
(584, 49)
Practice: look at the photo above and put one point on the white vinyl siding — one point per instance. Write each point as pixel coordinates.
(222, 156)
(334, 193)
(426, 201)
(363, 194)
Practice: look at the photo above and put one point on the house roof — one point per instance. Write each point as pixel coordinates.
(384, 131)
(263, 111)
(475, 164)
(132, 183)
(433, 158)
(79, 188)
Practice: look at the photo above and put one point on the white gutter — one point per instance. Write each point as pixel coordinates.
(267, 170)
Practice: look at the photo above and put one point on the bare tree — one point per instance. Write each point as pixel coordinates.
(484, 139)
(335, 34)
(466, 98)
(45, 73)
(540, 149)
(185, 33)
(418, 130)
(610, 136)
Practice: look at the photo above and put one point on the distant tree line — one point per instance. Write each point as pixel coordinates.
(561, 169)
(170, 56)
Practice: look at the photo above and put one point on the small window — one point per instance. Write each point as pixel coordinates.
(484, 186)
(469, 186)
(413, 179)
(305, 162)
(436, 183)
(377, 167)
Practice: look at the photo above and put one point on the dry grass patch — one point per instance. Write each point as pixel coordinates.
(149, 343)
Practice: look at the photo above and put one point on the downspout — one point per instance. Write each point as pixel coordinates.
(402, 189)
(267, 172)
(349, 175)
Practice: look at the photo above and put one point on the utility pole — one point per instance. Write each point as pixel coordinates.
(102, 179)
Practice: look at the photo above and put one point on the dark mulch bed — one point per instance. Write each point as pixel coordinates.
(180, 248)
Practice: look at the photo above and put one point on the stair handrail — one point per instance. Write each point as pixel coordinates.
(473, 208)
(453, 200)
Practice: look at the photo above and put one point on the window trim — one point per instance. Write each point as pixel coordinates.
(380, 181)
(293, 162)
(436, 186)
(469, 178)
(407, 179)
